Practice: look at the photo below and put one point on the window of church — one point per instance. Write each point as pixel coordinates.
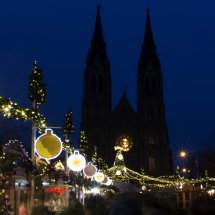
(151, 140)
(151, 163)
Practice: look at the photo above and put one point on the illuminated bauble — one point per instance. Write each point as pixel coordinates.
(76, 162)
(48, 145)
(120, 157)
(99, 177)
(89, 170)
(109, 182)
(105, 180)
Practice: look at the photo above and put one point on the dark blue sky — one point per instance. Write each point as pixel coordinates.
(58, 34)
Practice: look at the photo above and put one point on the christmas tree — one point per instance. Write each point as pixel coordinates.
(68, 129)
(37, 89)
(83, 145)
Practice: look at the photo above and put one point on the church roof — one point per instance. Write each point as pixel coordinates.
(124, 106)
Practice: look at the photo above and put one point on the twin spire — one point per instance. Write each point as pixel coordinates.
(98, 45)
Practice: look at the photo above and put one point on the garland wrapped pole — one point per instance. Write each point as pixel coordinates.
(37, 94)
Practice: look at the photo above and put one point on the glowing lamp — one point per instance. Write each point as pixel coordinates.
(76, 162)
(48, 145)
(99, 177)
(90, 170)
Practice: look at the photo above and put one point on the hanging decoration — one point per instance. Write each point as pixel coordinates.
(90, 170)
(99, 177)
(76, 162)
(48, 145)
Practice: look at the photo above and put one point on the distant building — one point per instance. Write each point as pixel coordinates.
(146, 128)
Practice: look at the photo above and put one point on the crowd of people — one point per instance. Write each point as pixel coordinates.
(131, 203)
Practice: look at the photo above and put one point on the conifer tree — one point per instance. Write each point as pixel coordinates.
(37, 88)
(83, 145)
(99, 162)
(68, 129)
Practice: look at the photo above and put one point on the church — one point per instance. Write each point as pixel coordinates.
(142, 135)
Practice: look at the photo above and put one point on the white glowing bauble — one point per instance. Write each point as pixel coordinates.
(99, 176)
(120, 157)
(118, 172)
(76, 162)
(89, 170)
(109, 182)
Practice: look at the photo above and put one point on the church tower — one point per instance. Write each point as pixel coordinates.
(155, 156)
(96, 105)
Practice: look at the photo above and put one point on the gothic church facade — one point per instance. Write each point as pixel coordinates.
(143, 133)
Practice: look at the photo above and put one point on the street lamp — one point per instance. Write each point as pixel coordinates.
(184, 170)
(183, 154)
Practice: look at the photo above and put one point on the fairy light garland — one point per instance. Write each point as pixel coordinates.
(13, 110)
(120, 173)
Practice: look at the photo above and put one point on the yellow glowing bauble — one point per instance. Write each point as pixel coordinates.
(89, 170)
(99, 177)
(76, 162)
(48, 145)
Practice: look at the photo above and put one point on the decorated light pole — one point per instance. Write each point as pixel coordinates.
(37, 94)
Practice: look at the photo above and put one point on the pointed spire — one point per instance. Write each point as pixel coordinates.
(98, 32)
(148, 46)
(98, 45)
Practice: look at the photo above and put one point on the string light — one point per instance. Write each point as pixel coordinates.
(13, 110)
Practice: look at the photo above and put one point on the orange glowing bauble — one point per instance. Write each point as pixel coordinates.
(89, 170)
(76, 162)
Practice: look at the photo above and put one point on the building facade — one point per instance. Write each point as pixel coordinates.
(142, 134)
